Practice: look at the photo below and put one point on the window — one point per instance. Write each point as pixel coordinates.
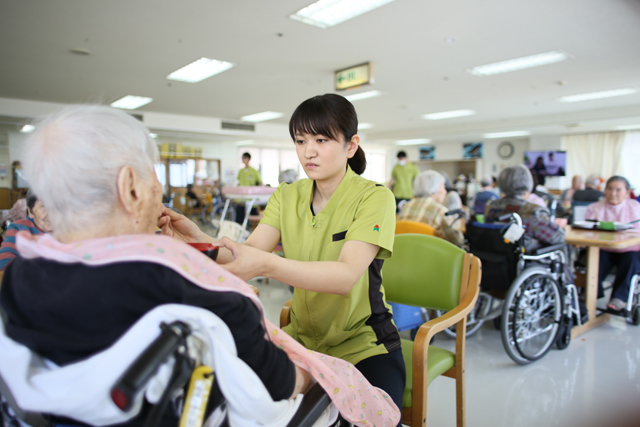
(376, 166)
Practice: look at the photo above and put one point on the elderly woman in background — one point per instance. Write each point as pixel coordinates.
(516, 183)
(93, 168)
(428, 207)
(617, 206)
(37, 222)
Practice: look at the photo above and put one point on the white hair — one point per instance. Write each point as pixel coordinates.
(73, 157)
(427, 183)
(288, 176)
(592, 180)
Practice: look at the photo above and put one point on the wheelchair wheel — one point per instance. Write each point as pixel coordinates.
(635, 318)
(564, 334)
(475, 318)
(531, 315)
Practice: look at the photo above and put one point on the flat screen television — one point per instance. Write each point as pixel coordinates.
(546, 162)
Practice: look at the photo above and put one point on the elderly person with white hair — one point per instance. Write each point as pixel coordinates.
(485, 194)
(590, 193)
(427, 207)
(72, 294)
(516, 183)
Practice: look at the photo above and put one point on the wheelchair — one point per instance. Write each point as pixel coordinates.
(173, 345)
(539, 305)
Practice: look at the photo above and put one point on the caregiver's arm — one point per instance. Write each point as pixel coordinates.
(335, 277)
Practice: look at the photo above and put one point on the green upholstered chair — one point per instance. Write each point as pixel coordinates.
(427, 271)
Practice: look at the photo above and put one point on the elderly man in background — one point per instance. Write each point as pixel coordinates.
(37, 222)
(617, 206)
(516, 183)
(427, 207)
(591, 192)
(485, 194)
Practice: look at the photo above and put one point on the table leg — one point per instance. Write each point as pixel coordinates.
(593, 265)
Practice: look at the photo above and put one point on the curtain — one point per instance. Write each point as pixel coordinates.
(630, 158)
(595, 153)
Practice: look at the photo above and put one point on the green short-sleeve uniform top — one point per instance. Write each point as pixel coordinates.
(404, 175)
(249, 176)
(358, 325)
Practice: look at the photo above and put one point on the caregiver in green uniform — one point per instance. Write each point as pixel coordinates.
(336, 230)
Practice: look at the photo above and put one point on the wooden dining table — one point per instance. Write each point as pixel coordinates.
(595, 240)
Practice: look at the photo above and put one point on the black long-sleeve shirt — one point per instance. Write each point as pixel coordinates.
(68, 312)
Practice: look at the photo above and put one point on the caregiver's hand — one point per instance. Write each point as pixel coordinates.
(247, 262)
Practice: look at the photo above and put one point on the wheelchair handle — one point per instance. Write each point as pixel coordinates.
(145, 366)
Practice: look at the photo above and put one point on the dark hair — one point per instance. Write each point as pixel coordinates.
(619, 178)
(401, 154)
(330, 115)
(189, 186)
(31, 200)
(246, 155)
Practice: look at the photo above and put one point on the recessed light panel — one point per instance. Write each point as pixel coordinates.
(364, 126)
(327, 13)
(448, 114)
(261, 117)
(598, 95)
(628, 127)
(27, 128)
(363, 95)
(199, 70)
(131, 102)
(507, 134)
(519, 63)
(413, 141)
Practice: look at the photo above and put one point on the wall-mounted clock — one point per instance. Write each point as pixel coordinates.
(505, 150)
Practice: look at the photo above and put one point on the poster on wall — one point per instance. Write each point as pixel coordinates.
(472, 150)
(427, 152)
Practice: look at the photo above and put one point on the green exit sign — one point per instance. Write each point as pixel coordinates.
(353, 76)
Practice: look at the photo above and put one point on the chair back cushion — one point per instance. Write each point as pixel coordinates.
(424, 271)
(414, 227)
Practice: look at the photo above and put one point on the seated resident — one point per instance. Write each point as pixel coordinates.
(68, 312)
(590, 192)
(516, 183)
(617, 206)
(428, 207)
(485, 194)
(37, 222)
(192, 196)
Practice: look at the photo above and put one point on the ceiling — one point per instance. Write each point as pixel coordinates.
(420, 50)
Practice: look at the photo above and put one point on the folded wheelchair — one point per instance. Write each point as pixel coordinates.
(529, 296)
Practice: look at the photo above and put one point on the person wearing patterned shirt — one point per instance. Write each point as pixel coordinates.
(37, 222)
(427, 207)
(516, 183)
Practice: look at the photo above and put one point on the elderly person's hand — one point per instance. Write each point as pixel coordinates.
(181, 228)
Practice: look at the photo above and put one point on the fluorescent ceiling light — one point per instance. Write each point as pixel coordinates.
(247, 142)
(448, 114)
(628, 127)
(199, 70)
(413, 141)
(153, 135)
(27, 128)
(261, 117)
(507, 134)
(131, 102)
(519, 63)
(363, 95)
(364, 126)
(327, 13)
(598, 95)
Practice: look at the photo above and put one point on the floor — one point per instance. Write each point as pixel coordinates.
(594, 382)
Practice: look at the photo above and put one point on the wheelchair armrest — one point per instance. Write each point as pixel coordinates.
(548, 249)
(315, 401)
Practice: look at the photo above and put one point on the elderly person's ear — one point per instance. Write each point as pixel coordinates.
(130, 189)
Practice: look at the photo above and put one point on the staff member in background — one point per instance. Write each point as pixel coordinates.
(617, 206)
(402, 177)
(336, 229)
(248, 176)
(37, 222)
